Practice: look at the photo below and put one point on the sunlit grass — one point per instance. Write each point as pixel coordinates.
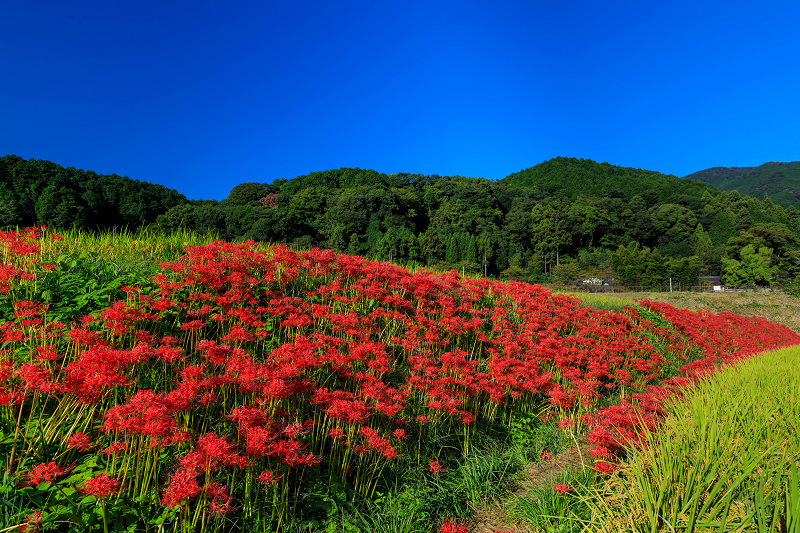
(726, 458)
(141, 245)
(602, 301)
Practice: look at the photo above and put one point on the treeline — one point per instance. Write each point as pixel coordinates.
(562, 220)
(41, 192)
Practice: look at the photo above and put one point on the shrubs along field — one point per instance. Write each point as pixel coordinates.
(240, 387)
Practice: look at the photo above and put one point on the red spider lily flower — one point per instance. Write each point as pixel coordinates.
(146, 413)
(562, 488)
(435, 467)
(601, 452)
(101, 486)
(220, 499)
(44, 473)
(80, 442)
(336, 433)
(546, 454)
(268, 477)
(207, 398)
(13, 335)
(603, 466)
(211, 452)
(35, 378)
(46, 353)
(32, 523)
(453, 527)
(115, 448)
(400, 433)
(182, 486)
(193, 325)
(295, 428)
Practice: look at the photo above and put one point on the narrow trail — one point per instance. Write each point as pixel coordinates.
(495, 516)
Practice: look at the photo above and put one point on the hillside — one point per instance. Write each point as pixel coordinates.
(41, 192)
(779, 181)
(563, 220)
(567, 177)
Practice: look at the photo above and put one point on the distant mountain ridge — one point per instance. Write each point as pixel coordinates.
(569, 177)
(779, 181)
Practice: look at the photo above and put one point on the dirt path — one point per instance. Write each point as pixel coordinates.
(495, 516)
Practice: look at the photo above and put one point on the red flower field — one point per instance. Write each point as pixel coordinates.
(239, 374)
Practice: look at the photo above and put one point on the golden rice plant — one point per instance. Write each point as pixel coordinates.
(726, 459)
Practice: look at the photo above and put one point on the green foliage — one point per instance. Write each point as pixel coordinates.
(564, 177)
(753, 268)
(565, 272)
(546, 509)
(793, 288)
(82, 284)
(41, 192)
(248, 193)
(775, 181)
(516, 228)
(641, 267)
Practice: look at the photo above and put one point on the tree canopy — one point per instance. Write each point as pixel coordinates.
(565, 218)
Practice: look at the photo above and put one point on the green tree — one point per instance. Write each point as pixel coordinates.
(549, 232)
(485, 247)
(336, 239)
(9, 209)
(754, 267)
(248, 193)
(431, 246)
(674, 224)
(389, 249)
(413, 248)
(565, 272)
(721, 229)
(470, 253)
(60, 207)
(451, 255)
(702, 247)
(354, 246)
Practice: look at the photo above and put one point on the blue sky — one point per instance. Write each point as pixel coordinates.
(201, 96)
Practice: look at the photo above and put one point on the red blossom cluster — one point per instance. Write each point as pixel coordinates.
(562, 488)
(273, 361)
(101, 486)
(711, 340)
(452, 527)
(43, 473)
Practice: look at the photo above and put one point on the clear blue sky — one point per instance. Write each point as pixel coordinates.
(200, 96)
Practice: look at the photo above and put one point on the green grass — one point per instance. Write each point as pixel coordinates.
(125, 246)
(726, 459)
(602, 301)
(547, 510)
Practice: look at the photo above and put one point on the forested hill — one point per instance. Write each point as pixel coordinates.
(564, 177)
(41, 192)
(563, 220)
(779, 181)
